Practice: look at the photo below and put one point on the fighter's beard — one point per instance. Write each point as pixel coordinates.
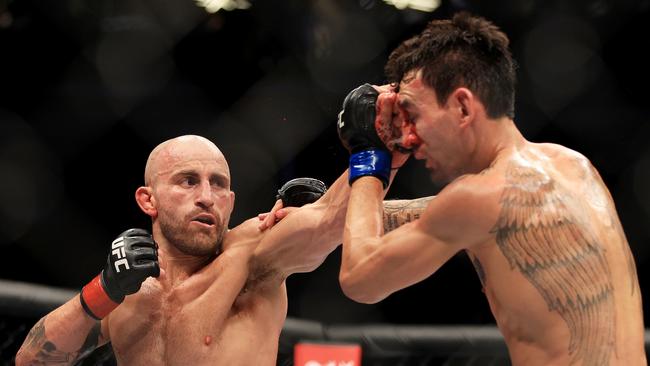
(193, 243)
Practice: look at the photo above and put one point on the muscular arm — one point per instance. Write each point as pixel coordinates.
(375, 265)
(399, 212)
(303, 239)
(62, 337)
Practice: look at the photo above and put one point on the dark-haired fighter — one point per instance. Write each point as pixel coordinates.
(535, 218)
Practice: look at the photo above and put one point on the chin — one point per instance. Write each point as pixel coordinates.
(199, 248)
(438, 179)
(209, 244)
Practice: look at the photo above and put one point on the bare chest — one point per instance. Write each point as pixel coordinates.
(155, 327)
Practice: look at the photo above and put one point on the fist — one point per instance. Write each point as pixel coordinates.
(356, 127)
(356, 123)
(133, 258)
(393, 126)
(301, 191)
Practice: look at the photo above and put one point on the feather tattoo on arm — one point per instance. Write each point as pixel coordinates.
(542, 236)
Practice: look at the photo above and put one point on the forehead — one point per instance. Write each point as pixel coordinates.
(413, 92)
(195, 157)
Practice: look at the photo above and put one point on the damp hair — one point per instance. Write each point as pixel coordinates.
(465, 51)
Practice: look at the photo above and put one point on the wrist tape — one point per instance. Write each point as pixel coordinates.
(95, 300)
(374, 162)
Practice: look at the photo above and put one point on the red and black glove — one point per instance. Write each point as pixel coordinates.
(133, 258)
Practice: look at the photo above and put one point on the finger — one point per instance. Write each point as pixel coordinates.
(136, 232)
(262, 216)
(270, 218)
(282, 213)
(145, 254)
(384, 88)
(151, 268)
(385, 104)
(143, 242)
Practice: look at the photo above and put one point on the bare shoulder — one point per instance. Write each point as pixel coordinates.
(563, 157)
(466, 209)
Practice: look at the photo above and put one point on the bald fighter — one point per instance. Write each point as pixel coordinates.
(195, 293)
(535, 218)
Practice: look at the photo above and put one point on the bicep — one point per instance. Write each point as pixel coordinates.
(375, 266)
(459, 218)
(410, 254)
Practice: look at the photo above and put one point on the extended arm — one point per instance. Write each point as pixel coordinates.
(301, 241)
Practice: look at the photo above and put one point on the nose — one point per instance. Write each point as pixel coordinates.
(204, 196)
(410, 139)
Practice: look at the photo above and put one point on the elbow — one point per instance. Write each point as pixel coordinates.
(356, 290)
(21, 358)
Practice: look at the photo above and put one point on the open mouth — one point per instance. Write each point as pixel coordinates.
(204, 219)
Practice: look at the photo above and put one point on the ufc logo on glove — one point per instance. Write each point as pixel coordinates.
(118, 251)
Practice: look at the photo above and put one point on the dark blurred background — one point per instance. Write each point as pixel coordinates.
(88, 88)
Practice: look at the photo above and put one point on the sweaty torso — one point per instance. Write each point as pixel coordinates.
(215, 317)
(557, 269)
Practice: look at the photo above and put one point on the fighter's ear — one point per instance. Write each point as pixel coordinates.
(147, 202)
(232, 201)
(464, 102)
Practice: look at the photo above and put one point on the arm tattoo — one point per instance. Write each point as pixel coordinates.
(543, 238)
(400, 212)
(48, 354)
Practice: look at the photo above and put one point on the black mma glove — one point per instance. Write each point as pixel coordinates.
(356, 128)
(133, 258)
(301, 191)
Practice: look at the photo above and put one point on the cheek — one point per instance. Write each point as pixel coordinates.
(426, 133)
(167, 213)
(224, 203)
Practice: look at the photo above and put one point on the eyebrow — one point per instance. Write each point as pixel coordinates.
(194, 173)
(185, 172)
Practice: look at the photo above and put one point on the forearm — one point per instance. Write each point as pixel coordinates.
(61, 338)
(302, 240)
(334, 206)
(363, 229)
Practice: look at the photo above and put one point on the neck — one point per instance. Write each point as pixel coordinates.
(495, 136)
(175, 265)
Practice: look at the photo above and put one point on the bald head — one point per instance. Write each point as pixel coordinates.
(166, 155)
